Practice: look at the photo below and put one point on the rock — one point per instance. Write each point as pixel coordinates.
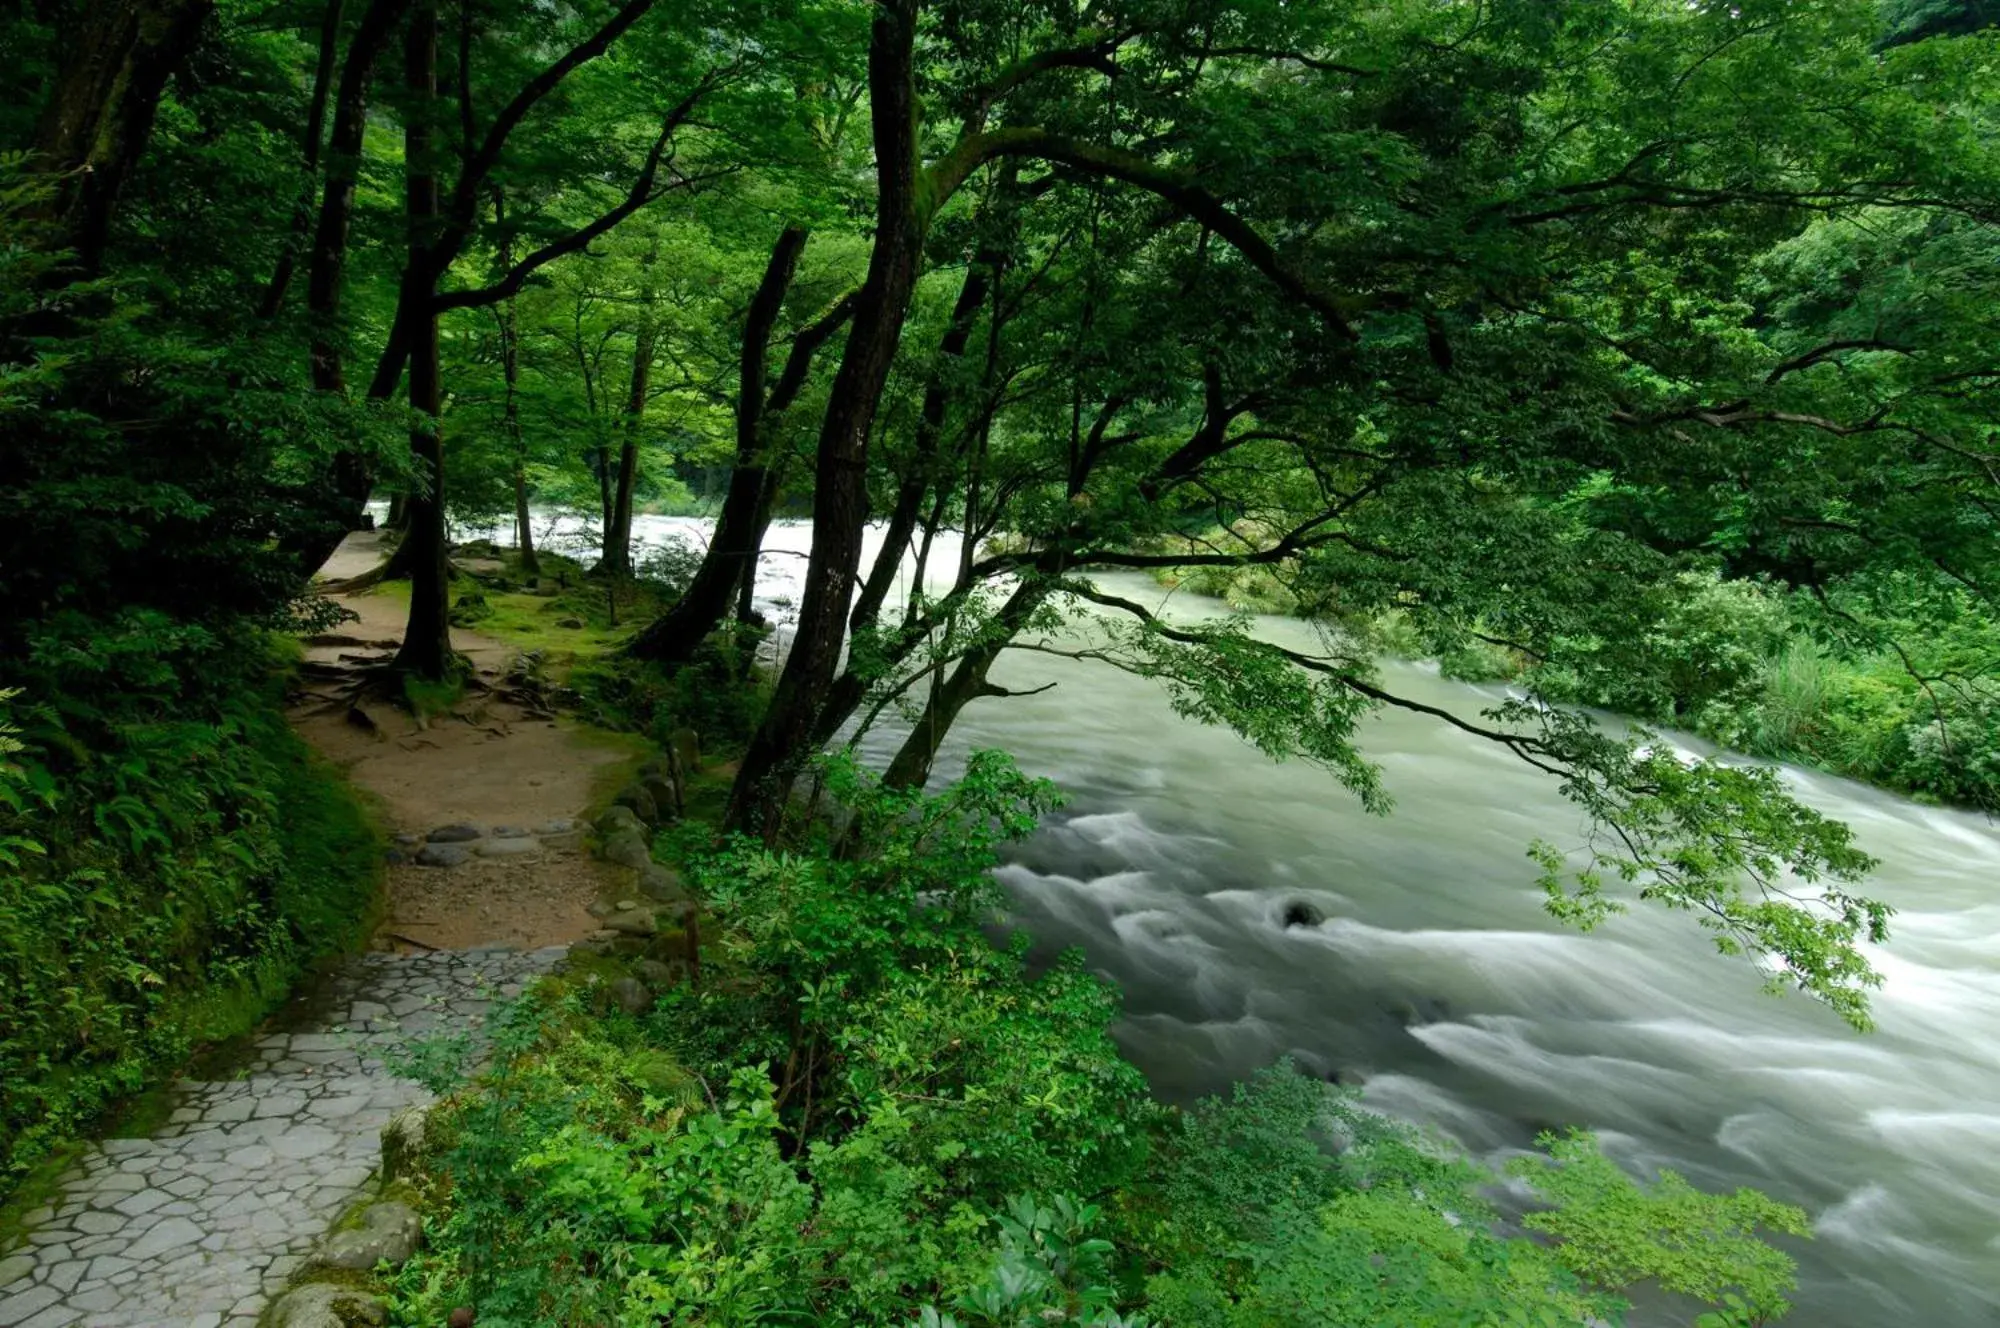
(636, 799)
(1299, 913)
(597, 908)
(637, 922)
(616, 819)
(389, 1232)
(625, 906)
(470, 607)
(631, 995)
(508, 848)
(662, 884)
(14, 1268)
(627, 848)
(443, 855)
(573, 624)
(656, 974)
(408, 840)
(560, 826)
(324, 1305)
(511, 832)
(454, 834)
(666, 796)
(403, 1143)
(686, 746)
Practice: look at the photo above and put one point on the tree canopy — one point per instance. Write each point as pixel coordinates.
(1593, 337)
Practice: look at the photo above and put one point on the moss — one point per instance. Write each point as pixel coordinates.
(428, 700)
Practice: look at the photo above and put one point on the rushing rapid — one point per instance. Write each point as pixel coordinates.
(1422, 969)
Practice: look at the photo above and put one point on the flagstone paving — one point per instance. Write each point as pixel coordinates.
(201, 1224)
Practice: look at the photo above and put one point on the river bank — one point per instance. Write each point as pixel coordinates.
(1435, 984)
(1439, 987)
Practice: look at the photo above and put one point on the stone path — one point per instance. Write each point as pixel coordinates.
(200, 1225)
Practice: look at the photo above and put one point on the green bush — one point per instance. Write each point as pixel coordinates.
(868, 1113)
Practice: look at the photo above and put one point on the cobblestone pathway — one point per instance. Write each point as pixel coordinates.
(199, 1225)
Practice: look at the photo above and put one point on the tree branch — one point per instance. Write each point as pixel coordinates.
(465, 195)
(1177, 187)
(637, 197)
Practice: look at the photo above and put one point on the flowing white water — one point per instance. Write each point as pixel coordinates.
(1440, 987)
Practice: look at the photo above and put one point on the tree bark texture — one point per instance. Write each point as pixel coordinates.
(426, 649)
(673, 637)
(350, 478)
(309, 158)
(617, 560)
(911, 767)
(918, 475)
(100, 115)
(783, 741)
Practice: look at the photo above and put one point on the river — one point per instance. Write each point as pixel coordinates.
(1440, 988)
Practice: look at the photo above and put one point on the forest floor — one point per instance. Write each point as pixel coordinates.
(486, 761)
(264, 1145)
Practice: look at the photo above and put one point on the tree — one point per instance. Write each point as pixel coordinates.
(1414, 402)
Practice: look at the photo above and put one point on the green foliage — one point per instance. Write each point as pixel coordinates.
(1049, 1270)
(868, 1113)
(166, 878)
(1758, 868)
(1613, 1231)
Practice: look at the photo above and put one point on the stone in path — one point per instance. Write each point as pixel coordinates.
(200, 1225)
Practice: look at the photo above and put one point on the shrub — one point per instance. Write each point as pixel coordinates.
(872, 1114)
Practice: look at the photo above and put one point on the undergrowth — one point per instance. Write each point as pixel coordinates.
(171, 858)
(870, 1113)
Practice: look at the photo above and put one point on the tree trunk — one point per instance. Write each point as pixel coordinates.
(910, 768)
(100, 114)
(605, 482)
(328, 261)
(510, 409)
(426, 649)
(840, 482)
(919, 474)
(617, 560)
(351, 478)
(524, 535)
(850, 689)
(732, 551)
(302, 211)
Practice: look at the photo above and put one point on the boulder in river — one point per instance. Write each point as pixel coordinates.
(1300, 913)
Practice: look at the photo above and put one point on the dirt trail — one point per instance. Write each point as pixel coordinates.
(206, 1220)
(493, 764)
